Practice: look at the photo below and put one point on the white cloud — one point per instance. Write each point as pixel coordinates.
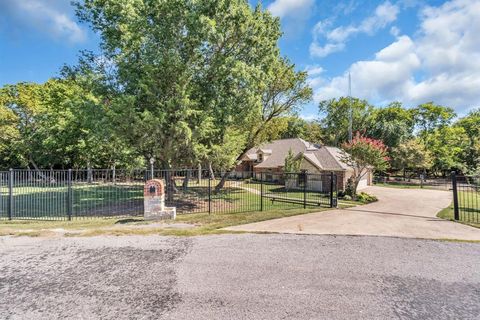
(294, 15)
(346, 8)
(384, 14)
(314, 70)
(317, 50)
(395, 31)
(309, 117)
(291, 8)
(441, 64)
(49, 16)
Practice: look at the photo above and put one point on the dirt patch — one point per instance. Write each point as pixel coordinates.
(183, 202)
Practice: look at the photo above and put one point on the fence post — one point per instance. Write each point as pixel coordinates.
(10, 194)
(304, 173)
(261, 191)
(69, 194)
(152, 161)
(209, 194)
(331, 189)
(456, 210)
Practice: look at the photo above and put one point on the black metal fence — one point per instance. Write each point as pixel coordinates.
(68, 194)
(466, 198)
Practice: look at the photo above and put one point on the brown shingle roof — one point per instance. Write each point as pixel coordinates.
(323, 157)
(327, 158)
(279, 150)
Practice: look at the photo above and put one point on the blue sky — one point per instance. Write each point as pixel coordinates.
(411, 51)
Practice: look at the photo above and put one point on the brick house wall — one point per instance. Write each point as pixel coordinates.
(269, 174)
(342, 176)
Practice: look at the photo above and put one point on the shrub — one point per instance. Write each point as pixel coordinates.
(364, 197)
(350, 188)
(347, 197)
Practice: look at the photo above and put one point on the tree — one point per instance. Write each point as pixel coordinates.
(448, 145)
(288, 127)
(292, 164)
(335, 120)
(471, 125)
(411, 154)
(429, 117)
(10, 134)
(57, 124)
(392, 124)
(299, 128)
(180, 67)
(275, 129)
(313, 132)
(363, 154)
(282, 91)
(21, 110)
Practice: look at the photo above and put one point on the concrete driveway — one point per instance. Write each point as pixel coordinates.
(407, 213)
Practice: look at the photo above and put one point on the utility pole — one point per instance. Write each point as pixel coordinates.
(350, 117)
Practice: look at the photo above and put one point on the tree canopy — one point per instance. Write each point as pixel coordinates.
(200, 82)
(184, 82)
(425, 137)
(363, 154)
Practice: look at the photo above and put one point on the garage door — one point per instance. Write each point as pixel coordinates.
(363, 183)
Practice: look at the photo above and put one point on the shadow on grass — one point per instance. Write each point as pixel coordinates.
(129, 220)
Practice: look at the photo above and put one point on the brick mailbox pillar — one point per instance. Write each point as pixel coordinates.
(154, 201)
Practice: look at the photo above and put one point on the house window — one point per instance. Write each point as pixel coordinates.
(260, 157)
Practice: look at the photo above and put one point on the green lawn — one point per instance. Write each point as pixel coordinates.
(469, 209)
(202, 224)
(37, 202)
(127, 199)
(399, 185)
(237, 203)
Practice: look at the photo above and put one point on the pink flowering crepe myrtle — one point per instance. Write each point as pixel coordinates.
(364, 153)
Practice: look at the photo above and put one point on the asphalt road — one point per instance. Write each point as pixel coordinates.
(238, 277)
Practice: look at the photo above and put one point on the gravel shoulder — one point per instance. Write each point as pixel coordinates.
(248, 276)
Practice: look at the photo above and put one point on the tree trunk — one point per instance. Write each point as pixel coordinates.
(89, 173)
(222, 182)
(52, 177)
(37, 169)
(355, 186)
(185, 180)
(199, 176)
(29, 173)
(228, 172)
(210, 169)
(171, 187)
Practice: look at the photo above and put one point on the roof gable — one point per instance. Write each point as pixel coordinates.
(279, 149)
(327, 158)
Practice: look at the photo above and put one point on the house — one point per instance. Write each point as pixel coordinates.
(269, 159)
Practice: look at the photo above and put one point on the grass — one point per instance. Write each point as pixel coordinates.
(40, 201)
(237, 203)
(469, 209)
(409, 186)
(202, 224)
(126, 199)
